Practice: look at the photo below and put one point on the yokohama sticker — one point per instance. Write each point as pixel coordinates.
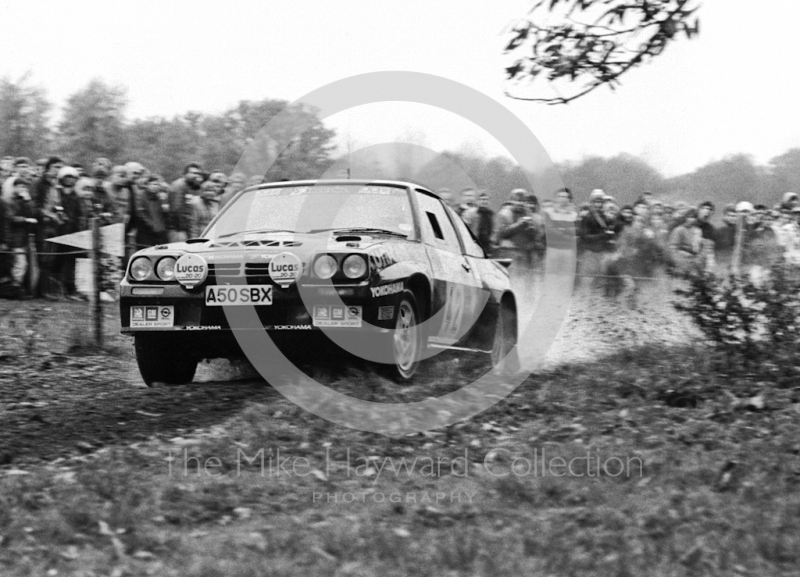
(386, 290)
(191, 270)
(285, 269)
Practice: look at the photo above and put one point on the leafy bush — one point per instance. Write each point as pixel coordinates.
(749, 317)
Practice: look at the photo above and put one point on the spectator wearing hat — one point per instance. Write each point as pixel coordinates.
(480, 220)
(597, 234)
(182, 191)
(790, 201)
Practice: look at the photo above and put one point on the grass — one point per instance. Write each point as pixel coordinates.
(718, 491)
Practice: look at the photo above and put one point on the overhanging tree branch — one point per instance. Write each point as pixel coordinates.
(582, 57)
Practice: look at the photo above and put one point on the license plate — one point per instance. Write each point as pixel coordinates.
(152, 317)
(219, 295)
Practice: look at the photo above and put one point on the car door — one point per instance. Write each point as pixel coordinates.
(455, 282)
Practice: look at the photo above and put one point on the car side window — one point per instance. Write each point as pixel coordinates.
(437, 230)
(471, 246)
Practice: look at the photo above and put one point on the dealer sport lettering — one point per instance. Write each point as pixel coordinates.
(386, 290)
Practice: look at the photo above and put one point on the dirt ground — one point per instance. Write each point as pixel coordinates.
(59, 398)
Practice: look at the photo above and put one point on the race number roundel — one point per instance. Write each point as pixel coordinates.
(191, 270)
(285, 268)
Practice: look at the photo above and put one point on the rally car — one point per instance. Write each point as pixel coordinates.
(387, 261)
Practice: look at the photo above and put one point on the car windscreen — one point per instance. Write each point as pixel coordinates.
(317, 207)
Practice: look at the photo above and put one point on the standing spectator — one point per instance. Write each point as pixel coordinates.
(121, 194)
(467, 201)
(47, 200)
(21, 169)
(480, 221)
(19, 222)
(536, 236)
(38, 169)
(704, 213)
(204, 208)
(560, 220)
(73, 220)
(597, 236)
(514, 230)
(182, 191)
(626, 215)
(150, 223)
(686, 245)
(236, 184)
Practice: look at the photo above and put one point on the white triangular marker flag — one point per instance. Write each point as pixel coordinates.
(112, 239)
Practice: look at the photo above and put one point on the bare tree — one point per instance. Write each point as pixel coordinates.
(591, 43)
(23, 117)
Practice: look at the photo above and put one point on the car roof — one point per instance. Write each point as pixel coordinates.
(340, 181)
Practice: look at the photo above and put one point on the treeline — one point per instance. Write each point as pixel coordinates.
(93, 124)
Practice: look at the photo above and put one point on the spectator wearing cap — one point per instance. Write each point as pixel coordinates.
(182, 191)
(480, 220)
(594, 230)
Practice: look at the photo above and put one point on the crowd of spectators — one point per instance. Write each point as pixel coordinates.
(618, 244)
(50, 197)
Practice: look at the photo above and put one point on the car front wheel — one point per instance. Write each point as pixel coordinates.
(405, 340)
(160, 362)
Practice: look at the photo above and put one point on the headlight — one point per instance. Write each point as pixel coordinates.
(325, 266)
(165, 269)
(141, 268)
(354, 266)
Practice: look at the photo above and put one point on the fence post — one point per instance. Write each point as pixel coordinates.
(736, 258)
(97, 306)
(32, 274)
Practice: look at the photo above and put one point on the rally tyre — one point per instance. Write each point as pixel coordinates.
(505, 358)
(159, 363)
(406, 340)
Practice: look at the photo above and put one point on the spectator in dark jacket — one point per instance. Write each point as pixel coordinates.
(151, 226)
(181, 193)
(19, 222)
(480, 221)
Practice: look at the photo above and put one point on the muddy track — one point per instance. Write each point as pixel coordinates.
(55, 405)
(77, 405)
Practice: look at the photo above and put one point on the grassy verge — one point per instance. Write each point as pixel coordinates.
(709, 484)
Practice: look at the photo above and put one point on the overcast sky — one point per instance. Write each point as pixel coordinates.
(734, 89)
